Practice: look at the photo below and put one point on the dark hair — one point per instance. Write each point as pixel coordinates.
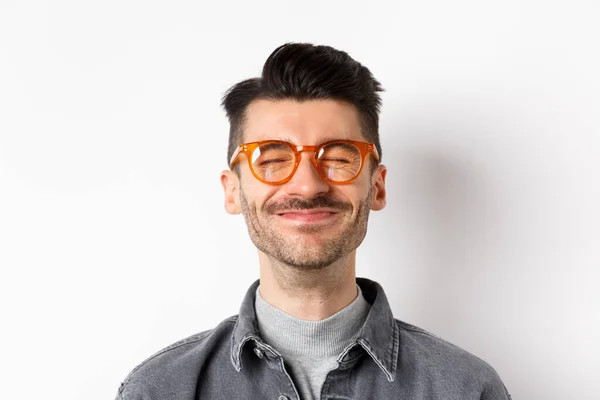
(302, 71)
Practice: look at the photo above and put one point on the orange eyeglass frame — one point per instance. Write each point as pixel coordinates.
(248, 148)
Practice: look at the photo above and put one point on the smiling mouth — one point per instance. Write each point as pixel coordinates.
(308, 216)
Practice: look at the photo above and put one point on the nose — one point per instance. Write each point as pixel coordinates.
(306, 181)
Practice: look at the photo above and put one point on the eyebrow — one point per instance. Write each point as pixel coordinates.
(328, 138)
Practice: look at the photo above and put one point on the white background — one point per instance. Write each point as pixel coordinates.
(113, 238)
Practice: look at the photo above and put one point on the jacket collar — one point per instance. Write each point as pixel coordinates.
(379, 336)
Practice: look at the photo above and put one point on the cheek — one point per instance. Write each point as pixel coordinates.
(350, 195)
(358, 190)
(359, 197)
(256, 193)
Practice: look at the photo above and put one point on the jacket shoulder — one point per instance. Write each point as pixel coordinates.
(429, 346)
(183, 359)
(430, 352)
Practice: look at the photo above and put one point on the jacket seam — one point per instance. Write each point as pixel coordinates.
(426, 333)
(395, 349)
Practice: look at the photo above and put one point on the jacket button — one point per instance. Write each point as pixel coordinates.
(282, 398)
(259, 353)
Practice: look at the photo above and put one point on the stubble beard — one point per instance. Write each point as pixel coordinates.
(291, 250)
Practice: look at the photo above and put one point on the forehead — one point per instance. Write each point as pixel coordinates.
(301, 122)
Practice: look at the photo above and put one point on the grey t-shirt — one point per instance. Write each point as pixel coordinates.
(310, 348)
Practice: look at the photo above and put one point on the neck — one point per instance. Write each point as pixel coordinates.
(311, 295)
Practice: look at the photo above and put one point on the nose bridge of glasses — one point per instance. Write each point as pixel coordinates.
(308, 176)
(302, 149)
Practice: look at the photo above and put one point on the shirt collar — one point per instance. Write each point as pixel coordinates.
(379, 336)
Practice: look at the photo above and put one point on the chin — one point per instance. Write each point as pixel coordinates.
(309, 265)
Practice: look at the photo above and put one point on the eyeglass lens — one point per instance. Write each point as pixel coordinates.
(275, 162)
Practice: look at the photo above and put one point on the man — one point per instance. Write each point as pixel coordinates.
(305, 156)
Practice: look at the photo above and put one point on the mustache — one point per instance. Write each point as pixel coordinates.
(303, 204)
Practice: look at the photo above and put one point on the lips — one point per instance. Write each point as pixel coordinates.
(309, 216)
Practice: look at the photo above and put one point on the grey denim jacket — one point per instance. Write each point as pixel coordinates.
(390, 359)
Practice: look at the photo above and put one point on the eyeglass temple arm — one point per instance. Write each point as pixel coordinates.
(373, 148)
(235, 154)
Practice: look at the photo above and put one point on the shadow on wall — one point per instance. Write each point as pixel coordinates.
(435, 227)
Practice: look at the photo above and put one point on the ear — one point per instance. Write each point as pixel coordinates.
(231, 189)
(378, 199)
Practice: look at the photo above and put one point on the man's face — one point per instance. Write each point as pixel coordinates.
(306, 222)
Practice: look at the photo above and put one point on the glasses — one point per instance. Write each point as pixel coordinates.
(274, 161)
